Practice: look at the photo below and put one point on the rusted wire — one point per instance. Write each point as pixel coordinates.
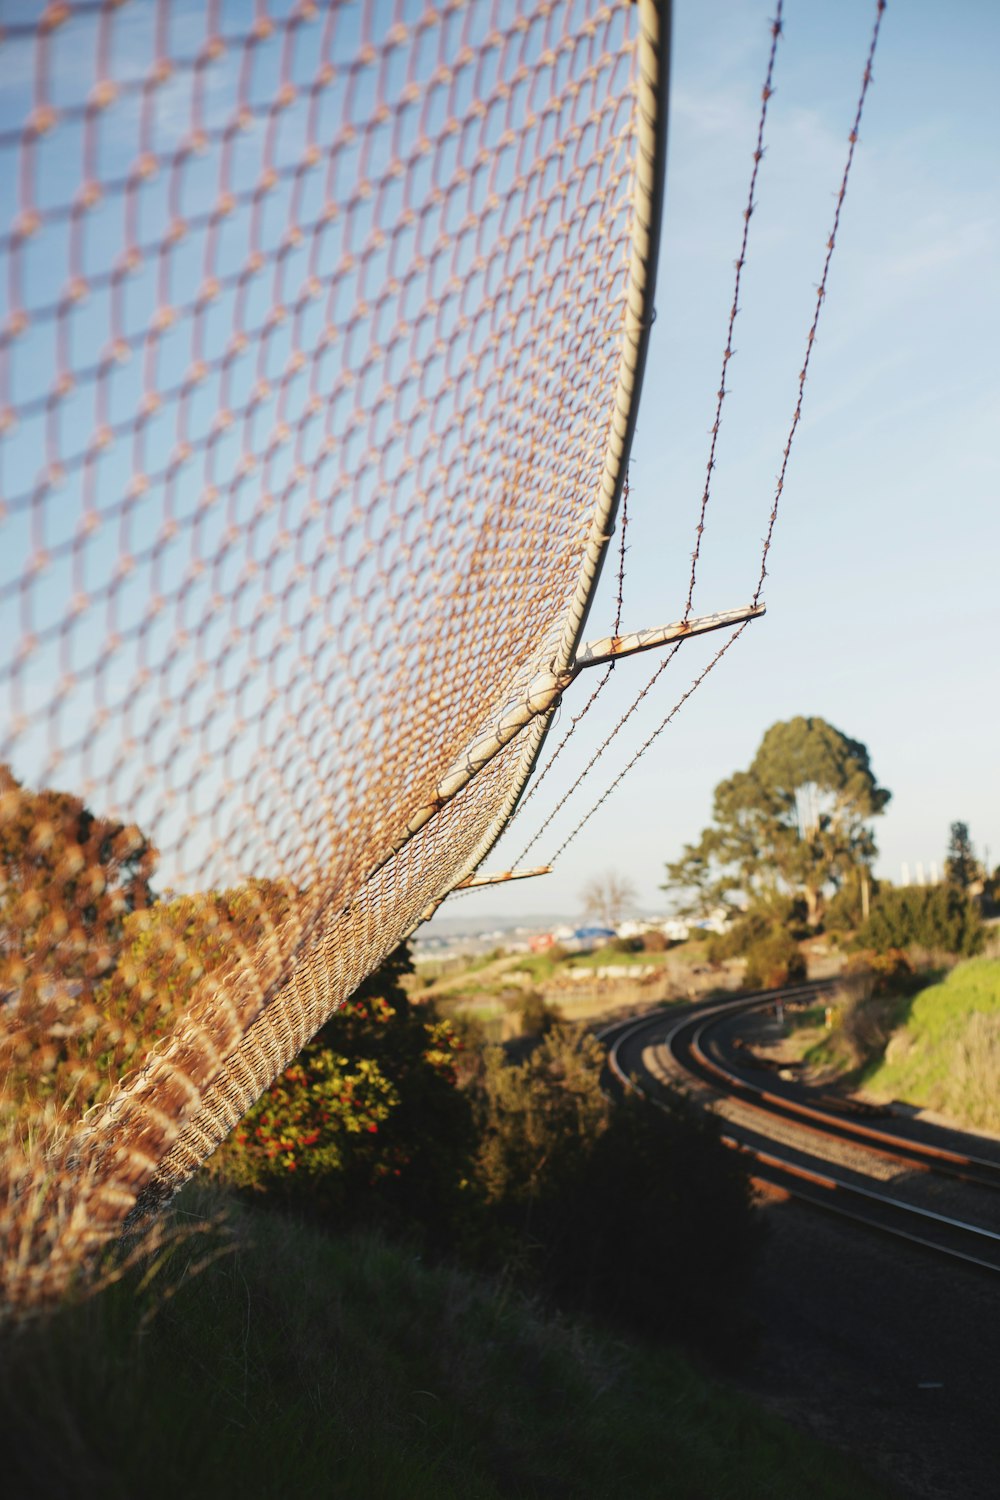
(605, 676)
(729, 351)
(315, 322)
(758, 155)
(646, 743)
(633, 706)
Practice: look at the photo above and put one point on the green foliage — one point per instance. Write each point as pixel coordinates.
(761, 936)
(844, 911)
(961, 866)
(887, 973)
(937, 917)
(947, 1055)
(739, 937)
(537, 1117)
(316, 1365)
(774, 960)
(796, 822)
(536, 1017)
(367, 1121)
(564, 1169)
(655, 1204)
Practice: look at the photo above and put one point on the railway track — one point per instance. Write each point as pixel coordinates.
(785, 1128)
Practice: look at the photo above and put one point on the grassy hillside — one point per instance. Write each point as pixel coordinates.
(300, 1364)
(947, 1054)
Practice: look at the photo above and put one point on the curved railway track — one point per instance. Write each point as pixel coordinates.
(786, 1128)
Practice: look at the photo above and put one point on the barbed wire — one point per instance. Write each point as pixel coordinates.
(729, 351)
(880, 8)
(766, 93)
(664, 664)
(646, 744)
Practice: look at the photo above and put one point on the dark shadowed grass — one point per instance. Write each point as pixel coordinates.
(301, 1364)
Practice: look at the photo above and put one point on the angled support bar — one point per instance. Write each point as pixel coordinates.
(543, 694)
(500, 876)
(613, 647)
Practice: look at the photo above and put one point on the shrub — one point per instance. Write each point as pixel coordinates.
(536, 1018)
(774, 959)
(368, 1121)
(658, 1205)
(844, 911)
(625, 945)
(938, 917)
(888, 973)
(738, 938)
(536, 1117)
(606, 1205)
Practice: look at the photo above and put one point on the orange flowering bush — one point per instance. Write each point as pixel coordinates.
(369, 1118)
(307, 1116)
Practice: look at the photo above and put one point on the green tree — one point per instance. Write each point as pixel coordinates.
(939, 917)
(961, 867)
(796, 822)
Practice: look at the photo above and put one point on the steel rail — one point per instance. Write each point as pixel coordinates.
(982, 1170)
(840, 1210)
(820, 1188)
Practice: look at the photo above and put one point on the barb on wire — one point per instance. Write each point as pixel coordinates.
(880, 7)
(604, 678)
(729, 351)
(820, 296)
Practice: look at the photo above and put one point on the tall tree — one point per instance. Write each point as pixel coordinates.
(961, 866)
(794, 824)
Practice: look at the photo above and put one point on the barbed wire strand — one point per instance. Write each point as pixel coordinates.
(664, 664)
(766, 92)
(729, 351)
(880, 7)
(646, 744)
(605, 677)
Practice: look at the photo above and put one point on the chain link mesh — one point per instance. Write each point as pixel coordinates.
(322, 330)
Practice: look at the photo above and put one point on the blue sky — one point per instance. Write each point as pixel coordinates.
(881, 613)
(883, 579)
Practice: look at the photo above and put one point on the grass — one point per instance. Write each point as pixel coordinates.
(307, 1364)
(609, 957)
(947, 1055)
(539, 966)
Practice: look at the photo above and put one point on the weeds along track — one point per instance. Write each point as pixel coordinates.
(825, 1151)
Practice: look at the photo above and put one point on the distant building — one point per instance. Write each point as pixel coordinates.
(675, 930)
(541, 942)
